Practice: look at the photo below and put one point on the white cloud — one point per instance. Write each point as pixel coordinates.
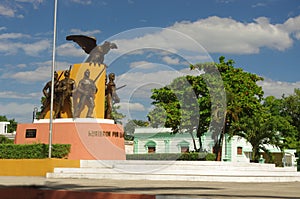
(142, 65)
(215, 34)
(278, 88)
(131, 106)
(9, 47)
(292, 25)
(226, 35)
(14, 36)
(259, 5)
(85, 32)
(13, 8)
(42, 72)
(20, 112)
(170, 60)
(35, 3)
(69, 49)
(83, 2)
(17, 95)
(35, 48)
(6, 11)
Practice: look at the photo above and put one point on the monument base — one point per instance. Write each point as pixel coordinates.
(90, 139)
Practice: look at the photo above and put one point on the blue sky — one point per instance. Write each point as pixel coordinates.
(156, 41)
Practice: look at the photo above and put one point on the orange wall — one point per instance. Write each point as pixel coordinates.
(86, 139)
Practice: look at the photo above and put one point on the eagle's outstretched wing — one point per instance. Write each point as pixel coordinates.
(85, 42)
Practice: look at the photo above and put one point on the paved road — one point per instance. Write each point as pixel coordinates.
(163, 189)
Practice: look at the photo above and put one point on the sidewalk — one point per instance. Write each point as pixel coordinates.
(160, 189)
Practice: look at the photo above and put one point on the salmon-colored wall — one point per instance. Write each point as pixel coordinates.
(86, 138)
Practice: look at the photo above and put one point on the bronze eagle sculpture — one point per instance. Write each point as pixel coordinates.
(89, 45)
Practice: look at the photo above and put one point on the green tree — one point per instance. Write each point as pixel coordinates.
(243, 96)
(12, 126)
(117, 116)
(131, 125)
(289, 133)
(5, 140)
(261, 129)
(291, 109)
(177, 106)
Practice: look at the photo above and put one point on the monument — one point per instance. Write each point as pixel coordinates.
(82, 108)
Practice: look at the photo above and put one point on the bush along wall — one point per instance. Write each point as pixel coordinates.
(33, 151)
(194, 156)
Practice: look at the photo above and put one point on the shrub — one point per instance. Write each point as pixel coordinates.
(33, 151)
(193, 156)
(5, 140)
(210, 157)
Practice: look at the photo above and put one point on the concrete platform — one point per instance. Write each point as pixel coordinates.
(202, 171)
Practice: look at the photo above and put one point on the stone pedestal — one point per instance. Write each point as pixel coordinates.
(90, 139)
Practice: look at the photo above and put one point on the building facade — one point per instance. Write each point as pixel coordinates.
(235, 149)
(161, 140)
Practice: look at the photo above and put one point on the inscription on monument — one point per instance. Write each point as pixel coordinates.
(30, 133)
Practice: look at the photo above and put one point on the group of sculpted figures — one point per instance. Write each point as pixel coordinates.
(71, 99)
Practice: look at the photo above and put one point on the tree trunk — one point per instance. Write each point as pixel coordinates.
(194, 142)
(200, 143)
(218, 147)
(255, 153)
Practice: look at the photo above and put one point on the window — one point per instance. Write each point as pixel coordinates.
(151, 149)
(240, 150)
(150, 146)
(184, 146)
(184, 149)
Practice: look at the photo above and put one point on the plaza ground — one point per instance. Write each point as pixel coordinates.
(159, 189)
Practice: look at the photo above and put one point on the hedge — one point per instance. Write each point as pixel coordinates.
(33, 151)
(194, 156)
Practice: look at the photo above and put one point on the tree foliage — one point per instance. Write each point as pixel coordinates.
(177, 107)
(291, 110)
(245, 111)
(130, 126)
(243, 96)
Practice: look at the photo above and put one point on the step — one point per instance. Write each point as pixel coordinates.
(217, 178)
(167, 171)
(178, 170)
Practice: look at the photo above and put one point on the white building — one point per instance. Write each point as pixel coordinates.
(3, 127)
(235, 149)
(161, 140)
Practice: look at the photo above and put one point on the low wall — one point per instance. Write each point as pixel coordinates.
(34, 167)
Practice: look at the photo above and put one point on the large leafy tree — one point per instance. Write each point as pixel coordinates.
(291, 109)
(243, 97)
(262, 129)
(284, 121)
(177, 106)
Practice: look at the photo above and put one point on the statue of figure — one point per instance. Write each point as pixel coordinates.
(65, 90)
(47, 100)
(85, 91)
(89, 45)
(111, 96)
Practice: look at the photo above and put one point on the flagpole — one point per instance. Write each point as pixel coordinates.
(52, 80)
